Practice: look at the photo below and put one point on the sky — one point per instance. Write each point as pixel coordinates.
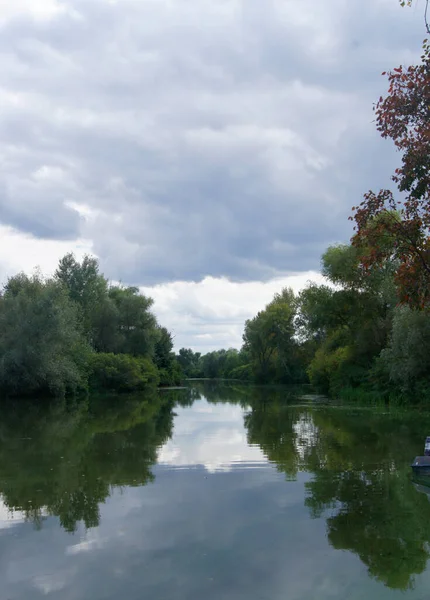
(207, 152)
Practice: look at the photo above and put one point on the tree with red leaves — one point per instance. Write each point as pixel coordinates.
(399, 230)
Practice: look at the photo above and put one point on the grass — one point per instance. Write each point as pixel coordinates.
(361, 395)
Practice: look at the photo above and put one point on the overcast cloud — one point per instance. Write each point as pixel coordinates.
(182, 140)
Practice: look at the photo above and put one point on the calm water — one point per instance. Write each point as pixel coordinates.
(212, 492)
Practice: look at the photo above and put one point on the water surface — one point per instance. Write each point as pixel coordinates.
(214, 491)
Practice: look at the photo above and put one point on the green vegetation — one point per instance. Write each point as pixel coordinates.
(349, 338)
(76, 331)
(270, 352)
(121, 372)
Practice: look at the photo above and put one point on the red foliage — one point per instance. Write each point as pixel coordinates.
(404, 116)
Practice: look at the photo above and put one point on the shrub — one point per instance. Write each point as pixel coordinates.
(327, 369)
(362, 396)
(171, 376)
(121, 373)
(243, 373)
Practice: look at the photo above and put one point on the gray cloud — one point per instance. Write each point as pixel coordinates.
(187, 139)
(47, 217)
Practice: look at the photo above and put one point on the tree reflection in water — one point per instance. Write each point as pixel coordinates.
(359, 460)
(65, 462)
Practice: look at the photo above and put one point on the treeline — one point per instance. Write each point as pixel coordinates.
(270, 352)
(350, 337)
(367, 332)
(76, 332)
(219, 364)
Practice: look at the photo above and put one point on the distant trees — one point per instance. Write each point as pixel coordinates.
(63, 334)
(270, 352)
(189, 362)
(219, 364)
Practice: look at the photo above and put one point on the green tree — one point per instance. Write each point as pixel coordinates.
(85, 285)
(57, 333)
(347, 324)
(42, 349)
(318, 312)
(137, 326)
(406, 360)
(190, 362)
(121, 372)
(211, 364)
(165, 359)
(106, 336)
(232, 361)
(269, 340)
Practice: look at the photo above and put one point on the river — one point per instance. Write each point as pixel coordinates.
(212, 491)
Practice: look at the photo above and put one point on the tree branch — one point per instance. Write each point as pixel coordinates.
(425, 17)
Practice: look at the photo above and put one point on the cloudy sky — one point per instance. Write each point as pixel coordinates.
(208, 151)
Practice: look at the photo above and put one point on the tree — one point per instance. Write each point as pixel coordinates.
(189, 362)
(137, 326)
(232, 361)
(58, 334)
(212, 364)
(165, 359)
(42, 348)
(116, 318)
(121, 373)
(163, 348)
(348, 325)
(269, 339)
(410, 2)
(85, 286)
(404, 116)
(406, 360)
(105, 325)
(318, 313)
